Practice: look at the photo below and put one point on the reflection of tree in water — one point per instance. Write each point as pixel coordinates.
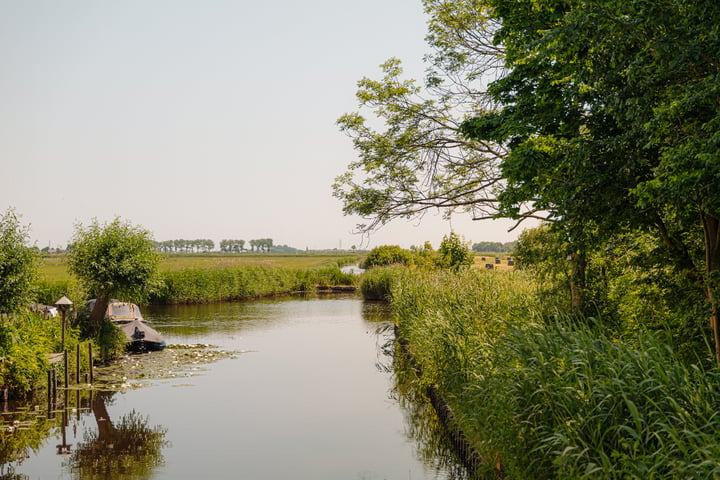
(129, 448)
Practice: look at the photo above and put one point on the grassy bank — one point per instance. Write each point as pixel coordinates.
(555, 398)
(202, 278)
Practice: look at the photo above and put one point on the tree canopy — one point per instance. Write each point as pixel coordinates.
(601, 117)
(18, 264)
(113, 260)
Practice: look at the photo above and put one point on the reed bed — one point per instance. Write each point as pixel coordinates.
(242, 282)
(205, 278)
(542, 396)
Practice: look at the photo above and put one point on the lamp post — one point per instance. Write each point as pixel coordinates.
(64, 305)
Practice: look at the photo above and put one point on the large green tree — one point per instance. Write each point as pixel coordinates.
(611, 115)
(600, 116)
(18, 264)
(113, 260)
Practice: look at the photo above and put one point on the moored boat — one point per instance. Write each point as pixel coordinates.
(140, 336)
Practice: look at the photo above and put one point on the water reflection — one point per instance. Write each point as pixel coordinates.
(21, 432)
(316, 388)
(126, 448)
(433, 444)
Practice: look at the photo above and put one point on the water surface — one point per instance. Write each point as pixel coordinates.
(308, 395)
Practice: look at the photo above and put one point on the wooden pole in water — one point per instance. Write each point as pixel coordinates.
(49, 395)
(54, 384)
(77, 363)
(91, 361)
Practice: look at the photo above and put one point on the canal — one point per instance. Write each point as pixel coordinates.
(272, 389)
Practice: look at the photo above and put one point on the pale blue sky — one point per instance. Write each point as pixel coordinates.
(197, 119)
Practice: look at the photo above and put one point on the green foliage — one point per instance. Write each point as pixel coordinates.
(182, 245)
(454, 253)
(18, 264)
(420, 161)
(378, 283)
(543, 252)
(48, 292)
(387, 255)
(25, 338)
(556, 398)
(111, 341)
(115, 260)
(197, 285)
(493, 247)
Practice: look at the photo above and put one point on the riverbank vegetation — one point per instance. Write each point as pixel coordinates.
(599, 121)
(540, 394)
(177, 271)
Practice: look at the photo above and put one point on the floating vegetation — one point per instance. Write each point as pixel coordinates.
(175, 361)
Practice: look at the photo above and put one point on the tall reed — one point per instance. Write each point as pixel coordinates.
(556, 398)
(242, 282)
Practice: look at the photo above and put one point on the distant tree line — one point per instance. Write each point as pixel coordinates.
(261, 245)
(185, 246)
(237, 246)
(493, 247)
(232, 246)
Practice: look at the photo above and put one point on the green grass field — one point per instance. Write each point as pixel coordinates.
(54, 268)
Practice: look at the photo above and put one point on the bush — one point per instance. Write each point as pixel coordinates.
(25, 339)
(387, 255)
(454, 253)
(111, 340)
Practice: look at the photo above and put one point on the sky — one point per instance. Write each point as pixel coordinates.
(198, 119)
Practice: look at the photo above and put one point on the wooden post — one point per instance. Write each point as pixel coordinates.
(77, 363)
(49, 395)
(91, 361)
(67, 368)
(54, 384)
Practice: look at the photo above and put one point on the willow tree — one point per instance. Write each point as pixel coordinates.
(113, 260)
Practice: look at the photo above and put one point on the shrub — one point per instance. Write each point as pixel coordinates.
(387, 255)
(25, 338)
(454, 253)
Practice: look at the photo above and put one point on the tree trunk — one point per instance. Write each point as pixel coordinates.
(98, 312)
(711, 229)
(578, 263)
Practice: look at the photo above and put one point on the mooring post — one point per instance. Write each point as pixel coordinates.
(77, 363)
(54, 385)
(91, 362)
(49, 395)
